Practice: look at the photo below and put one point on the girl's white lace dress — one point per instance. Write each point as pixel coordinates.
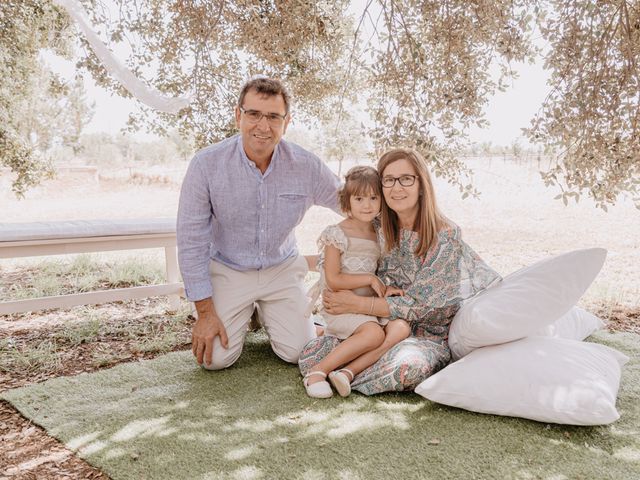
(358, 256)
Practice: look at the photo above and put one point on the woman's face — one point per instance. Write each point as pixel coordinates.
(400, 199)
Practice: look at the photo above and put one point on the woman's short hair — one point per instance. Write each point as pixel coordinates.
(359, 180)
(269, 87)
(429, 220)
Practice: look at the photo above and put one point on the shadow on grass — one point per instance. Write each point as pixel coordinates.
(168, 418)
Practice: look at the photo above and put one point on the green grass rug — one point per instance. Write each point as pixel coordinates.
(168, 419)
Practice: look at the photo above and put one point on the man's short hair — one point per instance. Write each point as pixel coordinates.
(265, 86)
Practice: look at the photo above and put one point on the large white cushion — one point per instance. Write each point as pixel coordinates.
(576, 324)
(525, 301)
(541, 378)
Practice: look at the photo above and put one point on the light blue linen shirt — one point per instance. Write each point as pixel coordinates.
(230, 212)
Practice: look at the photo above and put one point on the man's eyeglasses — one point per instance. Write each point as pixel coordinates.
(404, 180)
(254, 116)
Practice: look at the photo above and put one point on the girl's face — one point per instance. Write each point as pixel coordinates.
(402, 200)
(364, 207)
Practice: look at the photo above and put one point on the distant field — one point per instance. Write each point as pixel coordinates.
(514, 222)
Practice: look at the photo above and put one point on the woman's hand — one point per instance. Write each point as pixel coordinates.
(377, 286)
(393, 291)
(343, 301)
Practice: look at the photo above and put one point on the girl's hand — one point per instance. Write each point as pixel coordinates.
(342, 301)
(378, 286)
(394, 291)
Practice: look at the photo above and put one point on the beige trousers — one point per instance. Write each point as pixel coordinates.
(280, 296)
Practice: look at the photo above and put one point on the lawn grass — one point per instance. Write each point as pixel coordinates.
(102, 338)
(137, 330)
(167, 418)
(76, 274)
(41, 357)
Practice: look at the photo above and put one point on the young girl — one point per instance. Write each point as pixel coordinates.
(349, 254)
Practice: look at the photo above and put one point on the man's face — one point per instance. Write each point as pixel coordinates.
(260, 139)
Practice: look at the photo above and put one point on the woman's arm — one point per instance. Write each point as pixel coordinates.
(450, 273)
(336, 280)
(345, 301)
(419, 298)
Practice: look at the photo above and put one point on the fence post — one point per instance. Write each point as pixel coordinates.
(171, 260)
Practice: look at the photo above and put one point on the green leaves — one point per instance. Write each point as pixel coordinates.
(591, 115)
(422, 69)
(26, 26)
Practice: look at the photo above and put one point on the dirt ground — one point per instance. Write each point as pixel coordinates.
(514, 223)
(26, 451)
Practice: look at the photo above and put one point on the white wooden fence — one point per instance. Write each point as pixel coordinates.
(64, 237)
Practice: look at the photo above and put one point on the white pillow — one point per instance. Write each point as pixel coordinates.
(525, 301)
(541, 378)
(576, 324)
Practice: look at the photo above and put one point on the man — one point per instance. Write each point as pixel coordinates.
(240, 201)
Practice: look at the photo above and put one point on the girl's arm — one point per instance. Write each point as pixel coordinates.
(336, 280)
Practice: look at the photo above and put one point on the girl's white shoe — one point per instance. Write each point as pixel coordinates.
(341, 382)
(319, 389)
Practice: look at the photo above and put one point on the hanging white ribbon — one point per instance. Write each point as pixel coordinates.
(144, 93)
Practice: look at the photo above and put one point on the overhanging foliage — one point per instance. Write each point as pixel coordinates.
(422, 67)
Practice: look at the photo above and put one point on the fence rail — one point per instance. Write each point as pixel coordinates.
(59, 238)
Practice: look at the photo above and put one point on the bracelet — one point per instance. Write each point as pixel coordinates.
(373, 299)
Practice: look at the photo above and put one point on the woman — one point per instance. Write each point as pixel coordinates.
(425, 257)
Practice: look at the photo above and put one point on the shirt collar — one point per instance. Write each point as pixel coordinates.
(274, 158)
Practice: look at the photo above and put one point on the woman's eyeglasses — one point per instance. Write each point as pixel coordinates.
(404, 180)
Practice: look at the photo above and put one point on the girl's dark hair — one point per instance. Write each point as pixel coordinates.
(359, 180)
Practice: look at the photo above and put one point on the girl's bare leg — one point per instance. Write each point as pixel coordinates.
(366, 337)
(395, 331)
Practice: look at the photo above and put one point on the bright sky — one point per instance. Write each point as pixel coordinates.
(507, 112)
(514, 109)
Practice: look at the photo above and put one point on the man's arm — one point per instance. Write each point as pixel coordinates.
(326, 188)
(194, 237)
(194, 234)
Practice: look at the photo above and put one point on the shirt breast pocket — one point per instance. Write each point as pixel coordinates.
(291, 208)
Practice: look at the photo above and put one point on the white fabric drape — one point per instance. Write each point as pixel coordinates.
(147, 95)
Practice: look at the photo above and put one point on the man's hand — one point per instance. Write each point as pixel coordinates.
(207, 327)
